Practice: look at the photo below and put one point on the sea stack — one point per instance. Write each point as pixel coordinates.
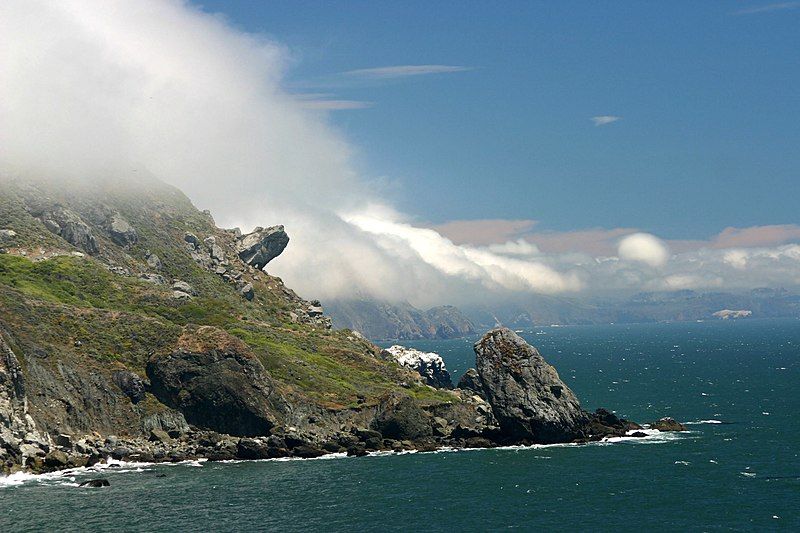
(529, 400)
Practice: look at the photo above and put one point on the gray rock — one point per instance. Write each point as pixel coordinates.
(131, 384)
(192, 239)
(471, 382)
(69, 226)
(261, 246)
(528, 398)
(153, 261)
(214, 249)
(403, 419)
(180, 295)
(158, 279)
(159, 435)
(247, 292)
(121, 231)
(184, 287)
(170, 421)
(7, 235)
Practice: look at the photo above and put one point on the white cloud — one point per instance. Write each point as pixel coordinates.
(404, 71)
(767, 8)
(602, 120)
(125, 88)
(644, 248)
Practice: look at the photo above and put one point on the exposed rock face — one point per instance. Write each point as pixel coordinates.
(262, 245)
(19, 436)
(402, 419)
(472, 383)
(69, 226)
(131, 384)
(528, 398)
(214, 380)
(121, 231)
(429, 365)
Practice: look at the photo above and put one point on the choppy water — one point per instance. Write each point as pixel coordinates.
(741, 475)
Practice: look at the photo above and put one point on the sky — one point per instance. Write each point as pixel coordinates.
(705, 96)
(455, 153)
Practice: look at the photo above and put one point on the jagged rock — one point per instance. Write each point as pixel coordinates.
(131, 384)
(69, 226)
(428, 364)
(171, 421)
(214, 380)
(215, 250)
(471, 382)
(153, 261)
(247, 292)
(527, 397)
(121, 231)
(261, 246)
(667, 424)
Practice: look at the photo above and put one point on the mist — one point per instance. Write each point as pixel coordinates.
(94, 89)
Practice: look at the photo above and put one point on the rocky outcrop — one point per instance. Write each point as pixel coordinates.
(214, 380)
(121, 231)
(69, 226)
(429, 365)
(20, 441)
(403, 419)
(472, 383)
(667, 424)
(261, 246)
(529, 400)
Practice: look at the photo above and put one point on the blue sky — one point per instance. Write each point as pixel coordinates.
(707, 93)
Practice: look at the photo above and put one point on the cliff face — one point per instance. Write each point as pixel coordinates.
(381, 321)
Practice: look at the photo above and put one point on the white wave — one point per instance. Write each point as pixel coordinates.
(698, 422)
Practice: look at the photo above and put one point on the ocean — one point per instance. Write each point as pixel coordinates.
(737, 468)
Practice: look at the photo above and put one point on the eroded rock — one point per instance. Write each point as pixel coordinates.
(261, 246)
(528, 399)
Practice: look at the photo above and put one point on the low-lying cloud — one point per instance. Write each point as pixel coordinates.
(98, 89)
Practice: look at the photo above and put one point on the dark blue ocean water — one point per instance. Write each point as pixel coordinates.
(742, 475)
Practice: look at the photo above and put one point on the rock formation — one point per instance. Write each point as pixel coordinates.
(429, 365)
(216, 382)
(527, 397)
(261, 246)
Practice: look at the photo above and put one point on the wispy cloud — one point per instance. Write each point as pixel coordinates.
(779, 6)
(602, 120)
(404, 71)
(328, 102)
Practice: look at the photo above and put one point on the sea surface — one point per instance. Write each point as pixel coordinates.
(738, 468)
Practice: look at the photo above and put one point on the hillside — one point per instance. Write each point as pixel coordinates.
(106, 288)
(382, 321)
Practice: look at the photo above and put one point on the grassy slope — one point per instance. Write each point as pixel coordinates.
(120, 321)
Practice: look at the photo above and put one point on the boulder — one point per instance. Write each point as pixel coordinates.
(261, 246)
(247, 292)
(252, 449)
(216, 382)
(215, 250)
(121, 231)
(308, 452)
(69, 226)
(429, 365)
(529, 400)
(182, 286)
(56, 459)
(403, 419)
(153, 261)
(159, 435)
(7, 235)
